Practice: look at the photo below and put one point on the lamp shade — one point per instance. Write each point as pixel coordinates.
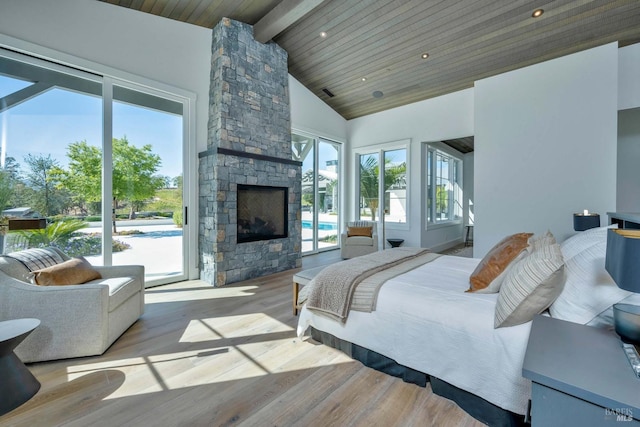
(582, 222)
(623, 258)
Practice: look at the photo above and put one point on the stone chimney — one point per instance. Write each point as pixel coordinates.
(249, 142)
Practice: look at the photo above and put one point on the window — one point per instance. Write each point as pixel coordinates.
(108, 180)
(444, 187)
(390, 179)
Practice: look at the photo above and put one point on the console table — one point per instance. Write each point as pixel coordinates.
(625, 219)
(580, 376)
(18, 383)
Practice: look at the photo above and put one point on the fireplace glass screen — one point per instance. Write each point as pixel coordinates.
(262, 213)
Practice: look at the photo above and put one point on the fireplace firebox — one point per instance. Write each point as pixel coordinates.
(262, 213)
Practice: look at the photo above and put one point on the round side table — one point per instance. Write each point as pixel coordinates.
(19, 384)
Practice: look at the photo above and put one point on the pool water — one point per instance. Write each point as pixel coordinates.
(307, 223)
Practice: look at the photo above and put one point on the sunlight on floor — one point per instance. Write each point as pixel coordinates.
(184, 291)
(219, 349)
(231, 326)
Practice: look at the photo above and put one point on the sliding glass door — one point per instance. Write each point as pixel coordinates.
(384, 180)
(100, 160)
(147, 181)
(320, 191)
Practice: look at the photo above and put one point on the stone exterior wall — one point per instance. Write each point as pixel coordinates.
(249, 142)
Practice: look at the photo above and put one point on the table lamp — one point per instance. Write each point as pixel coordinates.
(623, 264)
(585, 220)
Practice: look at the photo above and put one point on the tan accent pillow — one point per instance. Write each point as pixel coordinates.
(359, 231)
(72, 272)
(497, 260)
(530, 286)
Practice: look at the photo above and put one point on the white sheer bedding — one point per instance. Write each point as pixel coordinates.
(425, 320)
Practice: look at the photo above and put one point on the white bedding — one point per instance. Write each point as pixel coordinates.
(425, 320)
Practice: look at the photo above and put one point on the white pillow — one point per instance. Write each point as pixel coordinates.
(530, 286)
(583, 240)
(589, 289)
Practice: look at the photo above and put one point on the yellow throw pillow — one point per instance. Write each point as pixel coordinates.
(359, 231)
(497, 260)
(72, 272)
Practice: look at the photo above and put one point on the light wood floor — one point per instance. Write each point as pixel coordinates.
(204, 356)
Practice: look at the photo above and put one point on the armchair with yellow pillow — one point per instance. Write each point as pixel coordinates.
(82, 308)
(359, 238)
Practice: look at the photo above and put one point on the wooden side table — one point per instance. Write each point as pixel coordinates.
(580, 376)
(18, 383)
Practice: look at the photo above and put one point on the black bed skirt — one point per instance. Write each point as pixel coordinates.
(475, 406)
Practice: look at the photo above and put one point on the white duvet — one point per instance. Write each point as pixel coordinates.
(425, 320)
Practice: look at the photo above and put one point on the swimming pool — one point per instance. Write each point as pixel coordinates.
(307, 223)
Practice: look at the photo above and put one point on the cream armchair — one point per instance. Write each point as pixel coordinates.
(359, 242)
(75, 320)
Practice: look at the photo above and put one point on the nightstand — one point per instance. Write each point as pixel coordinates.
(580, 376)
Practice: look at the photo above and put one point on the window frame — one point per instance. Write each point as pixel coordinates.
(379, 150)
(433, 148)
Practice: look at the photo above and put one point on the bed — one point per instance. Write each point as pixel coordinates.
(424, 321)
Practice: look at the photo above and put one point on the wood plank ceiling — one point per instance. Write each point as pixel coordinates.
(381, 41)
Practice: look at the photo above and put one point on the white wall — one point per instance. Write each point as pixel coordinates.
(629, 77)
(445, 117)
(545, 145)
(628, 189)
(310, 114)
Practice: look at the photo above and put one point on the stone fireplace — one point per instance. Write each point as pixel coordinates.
(248, 148)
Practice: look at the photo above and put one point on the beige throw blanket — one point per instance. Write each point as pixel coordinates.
(332, 290)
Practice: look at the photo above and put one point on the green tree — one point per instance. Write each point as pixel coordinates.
(6, 189)
(177, 182)
(13, 184)
(134, 180)
(369, 172)
(44, 192)
(83, 179)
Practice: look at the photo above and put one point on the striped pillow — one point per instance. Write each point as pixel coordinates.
(530, 286)
(37, 258)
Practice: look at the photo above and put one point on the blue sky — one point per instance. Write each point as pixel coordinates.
(326, 152)
(48, 123)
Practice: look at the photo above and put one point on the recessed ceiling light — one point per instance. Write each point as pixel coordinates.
(364, 79)
(323, 34)
(424, 55)
(537, 13)
(377, 94)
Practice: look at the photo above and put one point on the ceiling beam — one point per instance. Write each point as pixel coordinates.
(285, 14)
(23, 95)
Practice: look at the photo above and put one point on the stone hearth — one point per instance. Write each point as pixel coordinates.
(249, 142)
